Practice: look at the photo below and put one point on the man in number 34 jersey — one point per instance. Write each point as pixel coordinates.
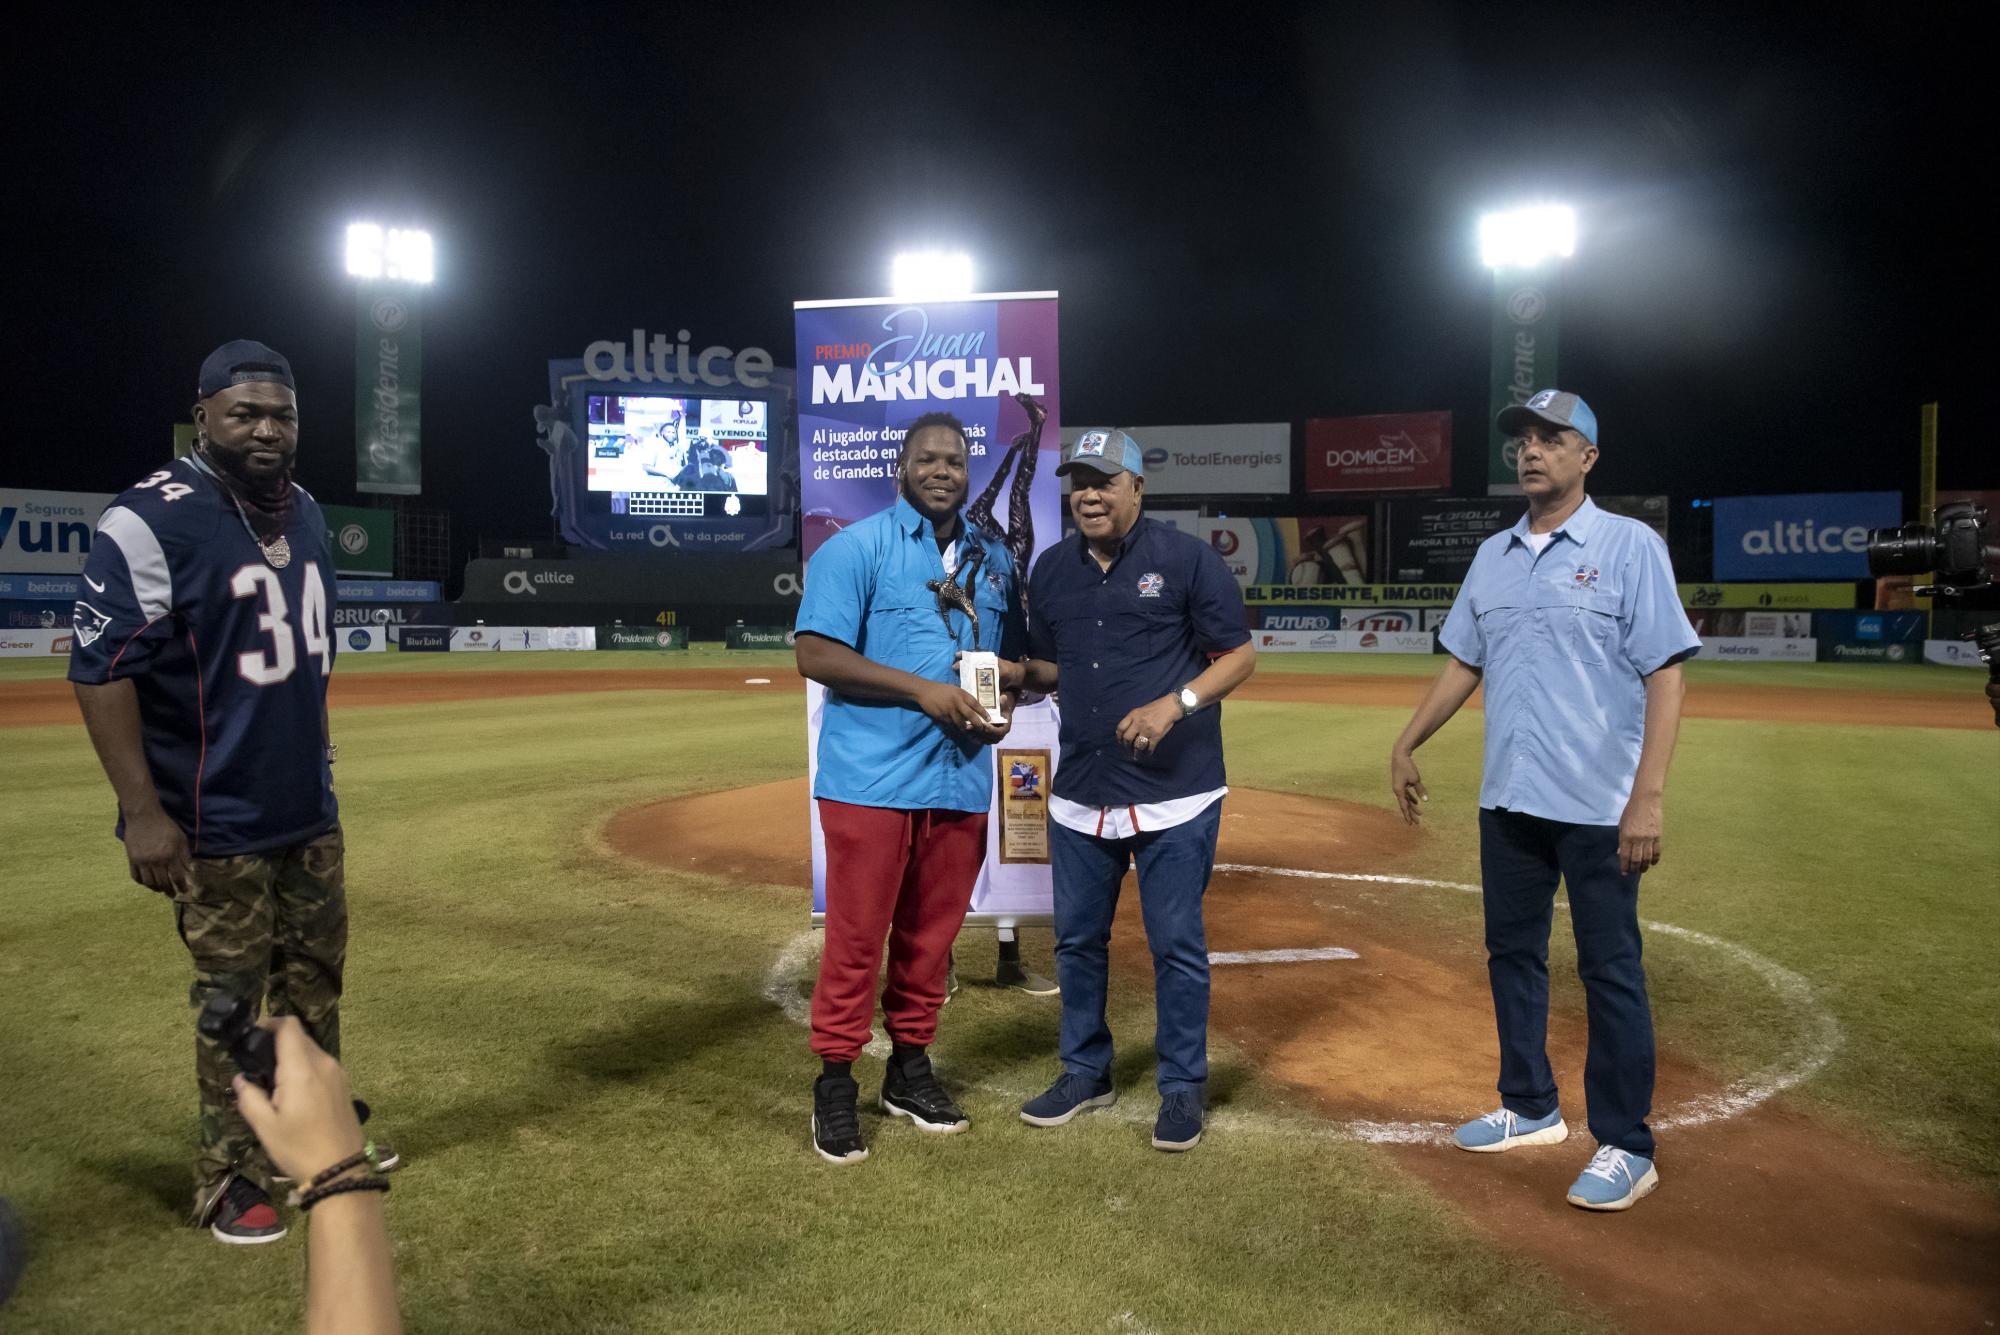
(202, 653)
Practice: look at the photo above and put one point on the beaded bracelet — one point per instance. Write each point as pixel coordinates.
(354, 1160)
(318, 1194)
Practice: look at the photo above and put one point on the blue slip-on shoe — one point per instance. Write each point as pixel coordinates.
(1504, 1130)
(1068, 1096)
(1179, 1124)
(1614, 1180)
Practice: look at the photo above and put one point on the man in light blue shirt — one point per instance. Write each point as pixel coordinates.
(905, 772)
(1572, 622)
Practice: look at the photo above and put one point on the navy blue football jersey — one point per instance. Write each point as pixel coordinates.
(229, 653)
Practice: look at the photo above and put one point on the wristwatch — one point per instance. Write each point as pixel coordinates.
(1189, 701)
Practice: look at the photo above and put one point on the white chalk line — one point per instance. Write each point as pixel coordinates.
(1299, 956)
(1822, 1039)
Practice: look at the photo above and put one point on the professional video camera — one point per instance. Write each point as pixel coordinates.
(1954, 546)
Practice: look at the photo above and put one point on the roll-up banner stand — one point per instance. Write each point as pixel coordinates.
(867, 368)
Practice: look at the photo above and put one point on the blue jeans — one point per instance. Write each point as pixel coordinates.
(1173, 875)
(1520, 859)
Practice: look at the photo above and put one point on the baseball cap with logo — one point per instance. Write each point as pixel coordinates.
(1104, 448)
(1554, 407)
(240, 361)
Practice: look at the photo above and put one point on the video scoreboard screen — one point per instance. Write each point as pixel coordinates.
(678, 455)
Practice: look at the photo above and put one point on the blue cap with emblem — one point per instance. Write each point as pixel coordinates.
(1104, 448)
(1554, 407)
(240, 361)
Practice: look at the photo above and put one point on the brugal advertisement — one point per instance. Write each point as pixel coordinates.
(867, 368)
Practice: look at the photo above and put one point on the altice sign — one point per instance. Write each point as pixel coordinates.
(1818, 536)
(660, 360)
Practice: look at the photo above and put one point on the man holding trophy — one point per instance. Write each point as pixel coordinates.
(905, 769)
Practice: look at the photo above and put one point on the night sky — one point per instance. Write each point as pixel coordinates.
(1268, 215)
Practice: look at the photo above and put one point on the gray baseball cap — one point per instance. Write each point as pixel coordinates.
(1104, 448)
(1552, 407)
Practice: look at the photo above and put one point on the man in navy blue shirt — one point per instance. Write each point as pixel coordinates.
(1572, 622)
(203, 648)
(1142, 628)
(905, 773)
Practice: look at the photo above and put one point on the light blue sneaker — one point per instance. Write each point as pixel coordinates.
(1503, 1130)
(1614, 1180)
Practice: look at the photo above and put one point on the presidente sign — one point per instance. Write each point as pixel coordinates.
(1233, 459)
(388, 362)
(1387, 452)
(47, 532)
(1819, 536)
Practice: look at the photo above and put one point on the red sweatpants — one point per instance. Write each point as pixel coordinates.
(908, 874)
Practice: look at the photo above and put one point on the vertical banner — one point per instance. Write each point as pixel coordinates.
(1525, 324)
(868, 368)
(388, 364)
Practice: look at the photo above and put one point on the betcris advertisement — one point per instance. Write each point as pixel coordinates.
(1820, 536)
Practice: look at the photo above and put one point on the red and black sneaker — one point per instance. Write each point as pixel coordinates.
(244, 1215)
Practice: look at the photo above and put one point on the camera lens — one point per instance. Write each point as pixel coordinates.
(1909, 550)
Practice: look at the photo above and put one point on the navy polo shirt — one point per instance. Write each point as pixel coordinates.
(1124, 637)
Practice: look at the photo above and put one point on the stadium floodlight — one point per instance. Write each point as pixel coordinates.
(401, 254)
(930, 274)
(1524, 237)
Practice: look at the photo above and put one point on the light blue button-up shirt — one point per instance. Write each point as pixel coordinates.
(867, 588)
(1566, 639)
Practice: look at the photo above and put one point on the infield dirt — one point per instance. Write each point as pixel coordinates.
(1772, 1220)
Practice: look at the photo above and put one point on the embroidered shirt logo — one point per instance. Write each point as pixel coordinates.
(1585, 577)
(89, 623)
(1151, 584)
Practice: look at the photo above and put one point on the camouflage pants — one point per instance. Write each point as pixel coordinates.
(270, 925)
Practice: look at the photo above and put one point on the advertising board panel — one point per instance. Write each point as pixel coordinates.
(1821, 535)
(1387, 452)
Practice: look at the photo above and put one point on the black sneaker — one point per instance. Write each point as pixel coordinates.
(244, 1216)
(911, 1090)
(836, 1124)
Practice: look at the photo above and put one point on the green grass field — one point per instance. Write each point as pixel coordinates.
(606, 1118)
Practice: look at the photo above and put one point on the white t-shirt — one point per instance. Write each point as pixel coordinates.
(1124, 822)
